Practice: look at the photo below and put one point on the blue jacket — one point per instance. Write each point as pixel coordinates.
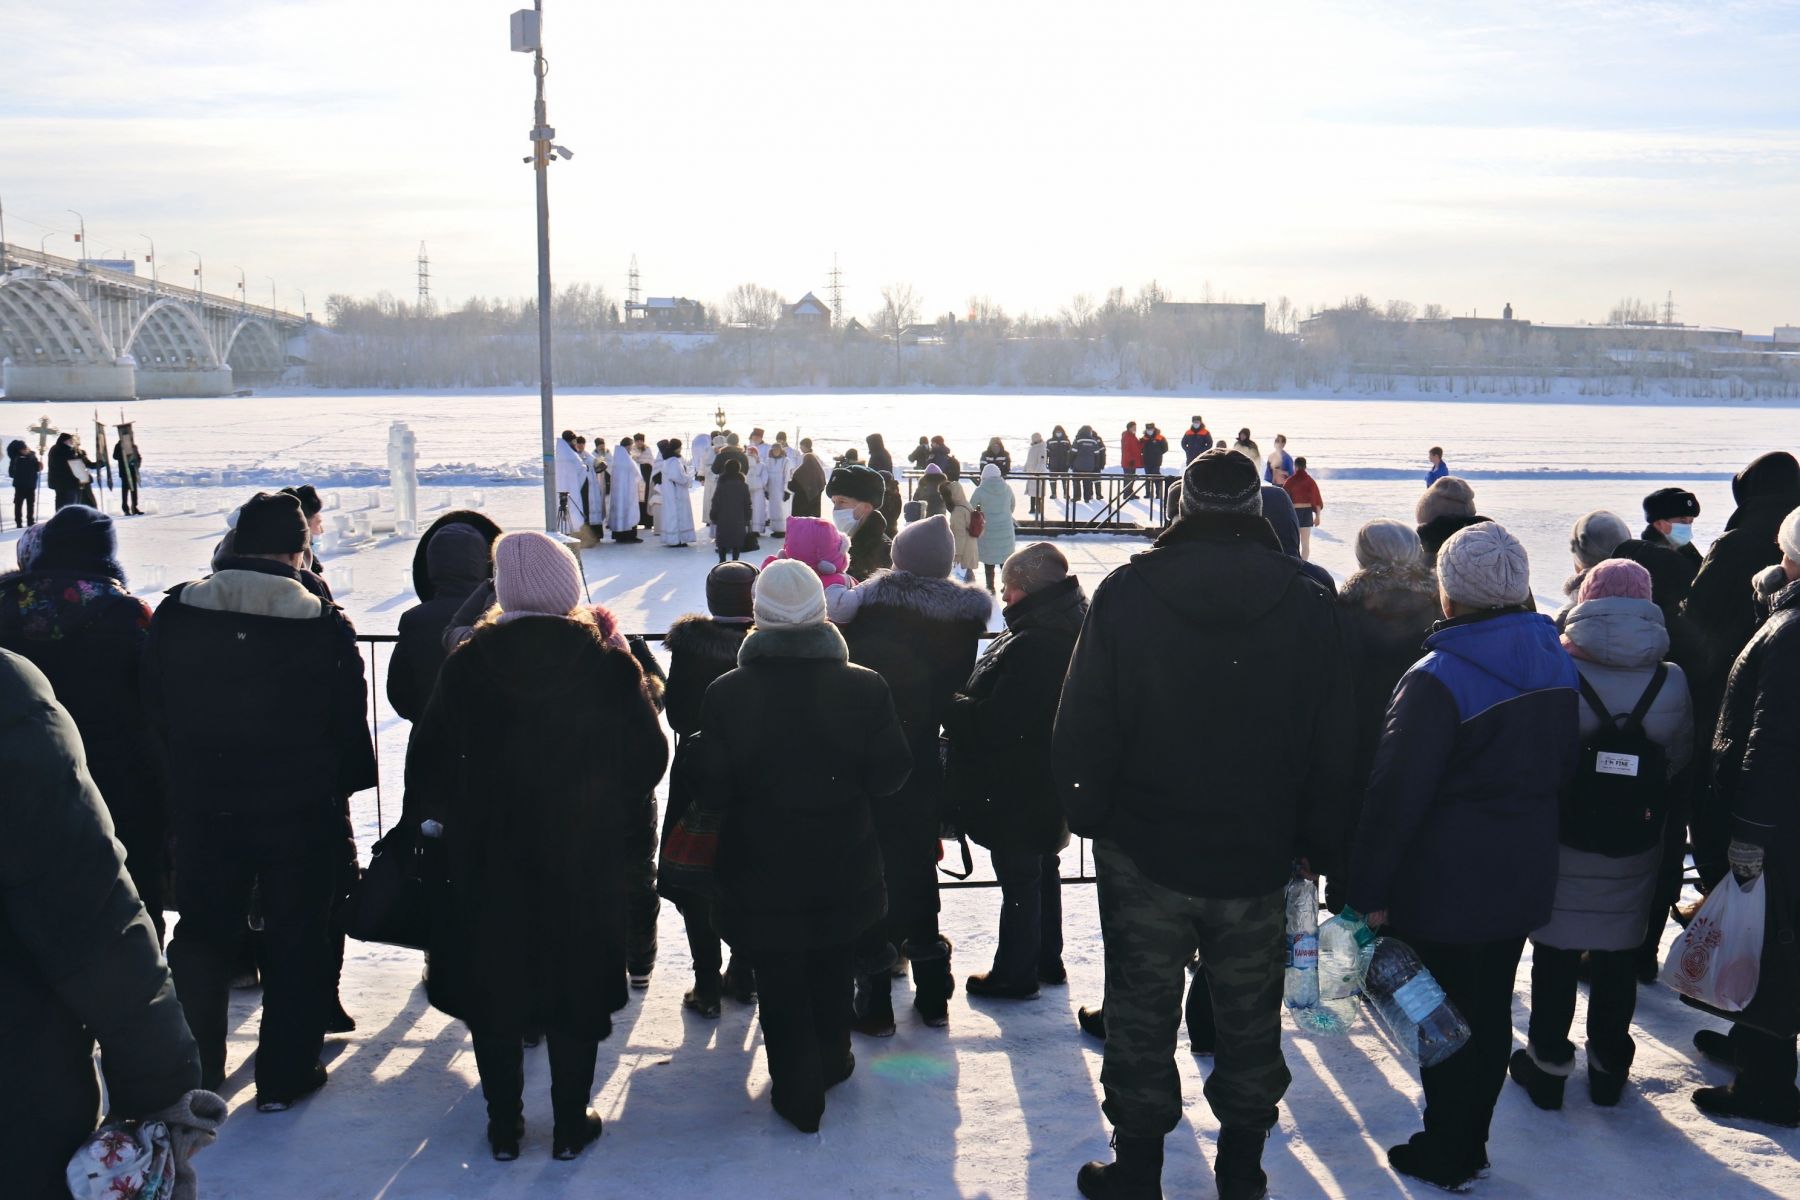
(1436, 473)
(1287, 465)
(1458, 836)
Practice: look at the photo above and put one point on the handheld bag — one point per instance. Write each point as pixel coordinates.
(1717, 959)
(977, 523)
(403, 892)
(690, 851)
(1618, 801)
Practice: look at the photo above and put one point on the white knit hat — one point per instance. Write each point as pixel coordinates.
(789, 593)
(1485, 567)
(1789, 537)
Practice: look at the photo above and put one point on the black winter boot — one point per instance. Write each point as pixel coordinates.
(1092, 1021)
(1238, 1167)
(872, 1014)
(933, 984)
(1134, 1174)
(1733, 1101)
(1542, 1081)
(1429, 1161)
(1716, 1046)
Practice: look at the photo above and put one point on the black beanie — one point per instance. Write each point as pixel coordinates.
(310, 504)
(1221, 481)
(1670, 503)
(270, 524)
(730, 590)
(857, 482)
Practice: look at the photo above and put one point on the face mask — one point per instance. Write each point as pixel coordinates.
(1681, 535)
(845, 518)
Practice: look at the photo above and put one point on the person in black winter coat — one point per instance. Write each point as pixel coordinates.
(312, 505)
(807, 483)
(940, 454)
(535, 831)
(920, 457)
(1722, 606)
(856, 495)
(79, 961)
(838, 732)
(892, 506)
(1215, 628)
(255, 688)
(999, 729)
(879, 458)
(1088, 460)
(730, 512)
(63, 483)
(701, 649)
(1197, 440)
(23, 469)
(1756, 783)
(453, 559)
(1456, 846)
(73, 618)
(1058, 454)
(996, 454)
(920, 631)
(1669, 522)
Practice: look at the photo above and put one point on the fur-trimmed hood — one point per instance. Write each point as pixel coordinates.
(1387, 586)
(704, 637)
(794, 641)
(935, 599)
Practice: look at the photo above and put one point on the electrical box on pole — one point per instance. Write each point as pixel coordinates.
(527, 31)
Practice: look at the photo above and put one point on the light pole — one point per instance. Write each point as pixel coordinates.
(44, 246)
(304, 315)
(151, 259)
(241, 300)
(200, 282)
(274, 308)
(81, 237)
(528, 38)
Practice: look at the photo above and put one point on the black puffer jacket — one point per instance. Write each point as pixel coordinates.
(1721, 603)
(78, 958)
(730, 512)
(1217, 634)
(799, 861)
(1058, 453)
(453, 560)
(879, 458)
(999, 724)
(1089, 452)
(535, 829)
(871, 549)
(921, 635)
(700, 650)
(1388, 612)
(1756, 780)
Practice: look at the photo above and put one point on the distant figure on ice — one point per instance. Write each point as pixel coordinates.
(921, 454)
(1058, 454)
(1034, 465)
(625, 508)
(1309, 505)
(997, 455)
(730, 513)
(1197, 440)
(23, 468)
(65, 484)
(1280, 464)
(1089, 459)
(994, 500)
(571, 485)
(1184, 864)
(676, 521)
(807, 483)
(1456, 849)
(130, 459)
(778, 468)
(453, 560)
(535, 833)
(879, 458)
(1246, 446)
(1439, 468)
(801, 928)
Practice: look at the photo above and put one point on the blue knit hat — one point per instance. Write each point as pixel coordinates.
(79, 538)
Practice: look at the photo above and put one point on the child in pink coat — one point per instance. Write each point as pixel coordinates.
(817, 543)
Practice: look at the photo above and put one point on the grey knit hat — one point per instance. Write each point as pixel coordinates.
(1220, 481)
(1382, 542)
(1450, 496)
(1484, 567)
(1596, 536)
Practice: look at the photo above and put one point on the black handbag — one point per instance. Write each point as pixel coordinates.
(402, 894)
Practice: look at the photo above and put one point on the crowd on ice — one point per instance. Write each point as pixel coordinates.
(1421, 737)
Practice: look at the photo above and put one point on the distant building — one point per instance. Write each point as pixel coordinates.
(666, 313)
(808, 312)
(1787, 335)
(856, 327)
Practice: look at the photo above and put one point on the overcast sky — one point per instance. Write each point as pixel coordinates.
(1557, 155)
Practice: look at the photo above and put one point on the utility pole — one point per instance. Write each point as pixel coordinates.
(151, 259)
(528, 38)
(81, 237)
(199, 285)
(424, 303)
(837, 292)
(243, 301)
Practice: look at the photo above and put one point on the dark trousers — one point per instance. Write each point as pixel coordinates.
(66, 496)
(1460, 1091)
(1151, 933)
(703, 944)
(128, 495)
(24, 505)
(500, 1060)
(642, 905)
(1612, 998)
(803, 1005)
(1766, 1063)
(1031, 939)
(295, 865)
(1090, 486)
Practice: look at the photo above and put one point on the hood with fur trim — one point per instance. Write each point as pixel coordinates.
(706, 637)
(1387, 586)
(794, 641)
(936, 599)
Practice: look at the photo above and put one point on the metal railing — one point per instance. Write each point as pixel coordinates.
(1083, 869)
(20, 256)
(1077, 502)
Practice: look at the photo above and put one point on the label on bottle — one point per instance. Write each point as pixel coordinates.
(1419, 997)
(1303, 951)
(1608, 763)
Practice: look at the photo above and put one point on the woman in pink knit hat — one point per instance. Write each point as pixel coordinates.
(535, 827)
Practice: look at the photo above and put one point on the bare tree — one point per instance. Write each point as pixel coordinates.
(1434, 312)
(899, 308)
(1631, 311)
(757, 307)
(1399, 310)
(1077, 315)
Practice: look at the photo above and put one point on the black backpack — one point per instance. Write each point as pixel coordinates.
(1619, 799)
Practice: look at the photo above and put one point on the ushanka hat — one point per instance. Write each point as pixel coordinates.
(857, 482)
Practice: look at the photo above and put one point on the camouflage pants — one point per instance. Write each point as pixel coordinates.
(1151, 933)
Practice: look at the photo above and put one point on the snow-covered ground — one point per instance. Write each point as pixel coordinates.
(1006, 1102)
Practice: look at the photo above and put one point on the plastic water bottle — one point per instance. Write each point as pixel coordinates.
(1342, 941)
(1300, 987)
(1409, 1005)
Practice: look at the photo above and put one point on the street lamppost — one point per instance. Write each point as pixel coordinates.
(528, 38)
(241, 300)
(199, 283)
(274, 308)
(81, 237)
(304, 315)
(44, 246)
(151, 259)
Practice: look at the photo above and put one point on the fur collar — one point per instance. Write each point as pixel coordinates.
(1376, 588)
(934, 599)
(794, 641)
(703, 636)
(255, 594)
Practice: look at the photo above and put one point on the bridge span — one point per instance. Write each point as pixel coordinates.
(77, 330)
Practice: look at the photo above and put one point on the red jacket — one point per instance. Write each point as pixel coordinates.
(1303, 491)
(1129, 455)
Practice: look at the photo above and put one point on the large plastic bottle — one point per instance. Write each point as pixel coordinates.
(1300, 987)
(1407, 1002)
(1342, 941)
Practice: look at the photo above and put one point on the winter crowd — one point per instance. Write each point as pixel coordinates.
(1422, 737)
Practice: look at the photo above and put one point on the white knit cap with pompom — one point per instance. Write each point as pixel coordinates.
(789, 593)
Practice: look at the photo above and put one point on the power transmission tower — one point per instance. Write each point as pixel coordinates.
(633, 293)
(1669, 309)
(837, 291)
(424, 308)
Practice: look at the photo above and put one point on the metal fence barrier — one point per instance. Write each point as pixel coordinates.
(1095, 502)
(376, 672)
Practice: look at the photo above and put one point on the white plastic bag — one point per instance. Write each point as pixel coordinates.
(1718, 957)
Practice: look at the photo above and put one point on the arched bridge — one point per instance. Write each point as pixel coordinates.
(74, 330)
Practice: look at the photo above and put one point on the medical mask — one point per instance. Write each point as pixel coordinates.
(1680, 534)
(845, 518)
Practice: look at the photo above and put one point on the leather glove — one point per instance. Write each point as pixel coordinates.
(1746, 859)
(193, 1123)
